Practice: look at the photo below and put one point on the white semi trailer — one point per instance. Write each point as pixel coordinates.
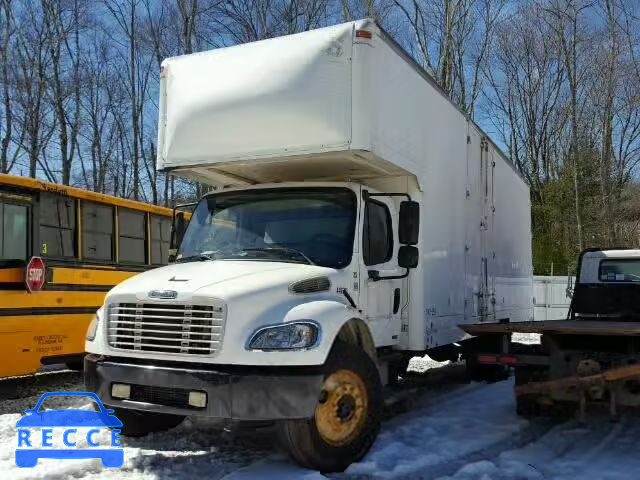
(358, 219)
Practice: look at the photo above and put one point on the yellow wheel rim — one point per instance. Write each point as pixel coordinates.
(342, 408)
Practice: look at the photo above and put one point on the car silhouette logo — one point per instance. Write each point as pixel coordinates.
(68, 418)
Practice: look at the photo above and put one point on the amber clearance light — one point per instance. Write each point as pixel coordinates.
(364, 34)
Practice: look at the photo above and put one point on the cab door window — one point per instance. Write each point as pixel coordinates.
(14, 233)
(377, 238)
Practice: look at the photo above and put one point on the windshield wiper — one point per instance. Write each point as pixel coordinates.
(200, 257)
(289, 250)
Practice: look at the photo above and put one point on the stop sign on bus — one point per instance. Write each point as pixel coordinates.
(34, 274)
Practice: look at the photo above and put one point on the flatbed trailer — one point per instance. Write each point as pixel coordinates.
(577, 364)
(592, 358)
(559, 327)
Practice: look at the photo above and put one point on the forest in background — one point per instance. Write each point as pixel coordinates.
(556, 83)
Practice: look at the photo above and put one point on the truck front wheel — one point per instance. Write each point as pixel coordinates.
(347, 417)
(136, 423)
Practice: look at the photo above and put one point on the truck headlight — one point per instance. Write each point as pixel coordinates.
(93, 326)
(290, 336)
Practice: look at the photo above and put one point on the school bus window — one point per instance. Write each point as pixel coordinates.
(132, 233)
(97, 231)
(57, 226)
(13, 238)
(160, 236)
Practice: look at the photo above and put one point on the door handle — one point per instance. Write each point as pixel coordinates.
(396, 300)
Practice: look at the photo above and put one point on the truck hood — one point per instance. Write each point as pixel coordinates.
(222, 278)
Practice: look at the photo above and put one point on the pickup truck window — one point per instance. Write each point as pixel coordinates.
(300, 225)
(619, 270)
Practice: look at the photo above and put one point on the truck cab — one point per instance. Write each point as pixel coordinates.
(269, 285)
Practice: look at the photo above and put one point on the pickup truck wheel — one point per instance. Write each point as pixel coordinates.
(347, 416)
(136, 423)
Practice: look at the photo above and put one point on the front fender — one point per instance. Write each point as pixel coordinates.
(330, 315)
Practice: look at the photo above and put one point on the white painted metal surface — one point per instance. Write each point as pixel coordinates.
(330, 105)
(590, 269)
(551, 298)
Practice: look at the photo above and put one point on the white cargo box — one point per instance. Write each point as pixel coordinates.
(344, 102)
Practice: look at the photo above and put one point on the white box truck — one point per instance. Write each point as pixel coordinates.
(358, 219)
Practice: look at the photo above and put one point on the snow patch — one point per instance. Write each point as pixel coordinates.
(429, 439)
(423, 364)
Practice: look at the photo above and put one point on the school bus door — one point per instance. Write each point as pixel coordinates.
(15, 251)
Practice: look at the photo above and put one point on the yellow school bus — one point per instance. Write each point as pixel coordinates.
(84, 243)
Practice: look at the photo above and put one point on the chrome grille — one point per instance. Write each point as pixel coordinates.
(161, 328)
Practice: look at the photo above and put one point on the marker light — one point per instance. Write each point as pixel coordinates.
(363, 34)
(93, 326)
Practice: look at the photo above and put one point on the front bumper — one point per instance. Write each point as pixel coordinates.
(233, 393)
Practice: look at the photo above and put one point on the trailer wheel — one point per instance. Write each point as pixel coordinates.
(347, 416)
(528, 405)
(477, 372)
(136, 423)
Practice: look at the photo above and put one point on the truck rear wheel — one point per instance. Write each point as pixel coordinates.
(136, 423)
(347, 417)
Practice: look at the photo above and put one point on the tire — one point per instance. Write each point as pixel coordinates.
(75, 363)
(528, 405)
(477, 372)
(347, 418)
(445, 353)
(136, 423)
(397, 371)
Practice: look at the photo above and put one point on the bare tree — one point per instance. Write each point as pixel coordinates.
(31, 69)
(7, 29)
(526, 75)
(565, 17)
(62, 21)
(250, 20)
(452, 39)
(125, 14)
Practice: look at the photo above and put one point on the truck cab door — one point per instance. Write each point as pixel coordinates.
(380, 298)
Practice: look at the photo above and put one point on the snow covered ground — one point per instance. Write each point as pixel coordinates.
(453, 431)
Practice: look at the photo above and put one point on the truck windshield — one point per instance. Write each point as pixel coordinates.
(301, 225)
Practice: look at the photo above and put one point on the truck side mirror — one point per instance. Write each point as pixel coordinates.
(408, 256)
(409, 223)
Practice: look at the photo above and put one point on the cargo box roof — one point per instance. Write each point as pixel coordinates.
(338, 103)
